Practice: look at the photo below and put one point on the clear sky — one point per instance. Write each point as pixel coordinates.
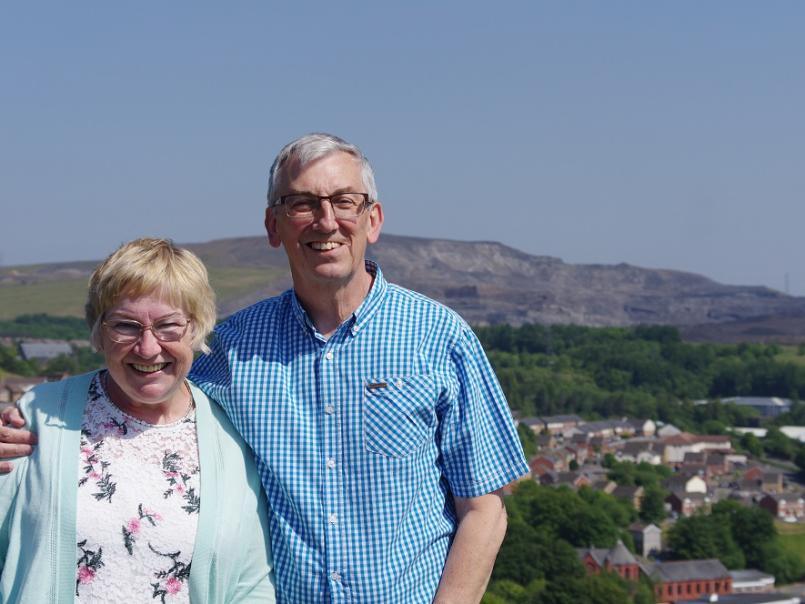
(662, 134)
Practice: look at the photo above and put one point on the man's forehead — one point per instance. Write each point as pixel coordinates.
(337, 169)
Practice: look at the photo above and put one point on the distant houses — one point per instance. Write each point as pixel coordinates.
(44, 351)
(766, 406)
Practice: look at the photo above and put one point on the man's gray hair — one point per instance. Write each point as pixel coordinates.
(311, 147)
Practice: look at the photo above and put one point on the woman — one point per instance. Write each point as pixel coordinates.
(140, 489)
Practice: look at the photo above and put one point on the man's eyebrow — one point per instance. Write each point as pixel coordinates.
(338, 191)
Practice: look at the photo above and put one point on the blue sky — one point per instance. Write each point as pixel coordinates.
(662, 134)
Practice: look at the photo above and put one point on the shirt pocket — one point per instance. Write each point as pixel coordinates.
(398, 414)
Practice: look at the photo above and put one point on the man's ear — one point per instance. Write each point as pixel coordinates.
(375, 222)
(271, 228)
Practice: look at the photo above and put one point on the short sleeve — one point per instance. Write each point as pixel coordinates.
(480, 449)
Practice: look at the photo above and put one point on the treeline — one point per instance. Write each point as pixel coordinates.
(80, 361)
(45, 326)
(644, 372)
(739, 536)
(538, 564)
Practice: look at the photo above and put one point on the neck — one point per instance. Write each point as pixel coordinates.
(150, 413)
(330, 304)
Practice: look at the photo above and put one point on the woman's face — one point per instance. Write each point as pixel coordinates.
(147, 372)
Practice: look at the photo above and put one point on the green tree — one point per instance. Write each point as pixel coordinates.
(700, 536)
(528, 440)
(652, 507)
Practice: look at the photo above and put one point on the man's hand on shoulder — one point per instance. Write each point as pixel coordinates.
(14, 442)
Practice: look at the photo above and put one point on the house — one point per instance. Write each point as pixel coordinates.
(574, 480)
(757, 479)
(546, 441)
(643, 427)
(533, 423)
(753, 473)
(677, 446)
(667, 430)
(717, 463)
(647, 538)
(765, 406)
(12, 389)
(686, 483)
(607, 428)
(546, 463)
(44, 351)
(751, 581)
(604, 485)
(786, 506)
(684, 580)
(686, 504)
(616, 559)
(559, 424)
(634, 495)
(767, 598)
(639, 451)
(579, 453)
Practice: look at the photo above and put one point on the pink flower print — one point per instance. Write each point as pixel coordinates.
(134, 526)
(173, 585)
(152, 513)
(86, 450)
(94, 475)
(180, 489)
(171, 474)
(85, 575)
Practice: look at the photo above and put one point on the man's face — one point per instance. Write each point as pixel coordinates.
(323, 249)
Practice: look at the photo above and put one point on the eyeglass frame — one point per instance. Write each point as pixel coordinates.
(143, 329)
(281, 201)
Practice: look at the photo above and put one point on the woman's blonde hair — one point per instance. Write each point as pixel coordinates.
(153, 266)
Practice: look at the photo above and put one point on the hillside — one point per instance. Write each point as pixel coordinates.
(487, 282)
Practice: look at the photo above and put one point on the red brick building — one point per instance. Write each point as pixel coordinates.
(684, 580)
(616, 559)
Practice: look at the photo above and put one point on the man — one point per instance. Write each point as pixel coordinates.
(381, 434)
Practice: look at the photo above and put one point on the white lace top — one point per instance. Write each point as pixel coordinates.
(138, 504)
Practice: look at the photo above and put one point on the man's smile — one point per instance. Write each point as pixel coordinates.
(324, 245)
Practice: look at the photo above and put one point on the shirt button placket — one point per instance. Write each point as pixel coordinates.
(331, 447)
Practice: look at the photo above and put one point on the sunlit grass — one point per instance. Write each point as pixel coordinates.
(66, 298)
(790, 354)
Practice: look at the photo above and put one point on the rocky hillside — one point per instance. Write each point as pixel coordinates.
(491, 283)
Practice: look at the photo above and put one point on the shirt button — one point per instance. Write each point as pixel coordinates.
(329, 409)
(399, 384)
(329, 355)
(331, 463)
(333, 519)
(335, 576)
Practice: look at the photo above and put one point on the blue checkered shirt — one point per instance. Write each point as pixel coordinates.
(363, 438)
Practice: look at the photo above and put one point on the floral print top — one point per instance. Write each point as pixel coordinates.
(138, 505)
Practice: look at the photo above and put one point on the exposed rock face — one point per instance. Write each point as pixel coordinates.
(491, 283)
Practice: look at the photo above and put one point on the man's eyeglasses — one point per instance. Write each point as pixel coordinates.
(346, 206)
(124, 331)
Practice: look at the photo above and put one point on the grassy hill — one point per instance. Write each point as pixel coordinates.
(65, 297)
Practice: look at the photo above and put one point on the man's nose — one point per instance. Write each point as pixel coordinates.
(324, 217)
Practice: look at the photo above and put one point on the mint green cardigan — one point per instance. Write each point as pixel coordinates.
(231, 557)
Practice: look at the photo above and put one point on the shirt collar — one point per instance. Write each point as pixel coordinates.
(371, 303)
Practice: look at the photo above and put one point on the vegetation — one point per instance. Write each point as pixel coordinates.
(639, 372)
(538, 563)
(740, 537)
(45, 326)
(82, 360)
